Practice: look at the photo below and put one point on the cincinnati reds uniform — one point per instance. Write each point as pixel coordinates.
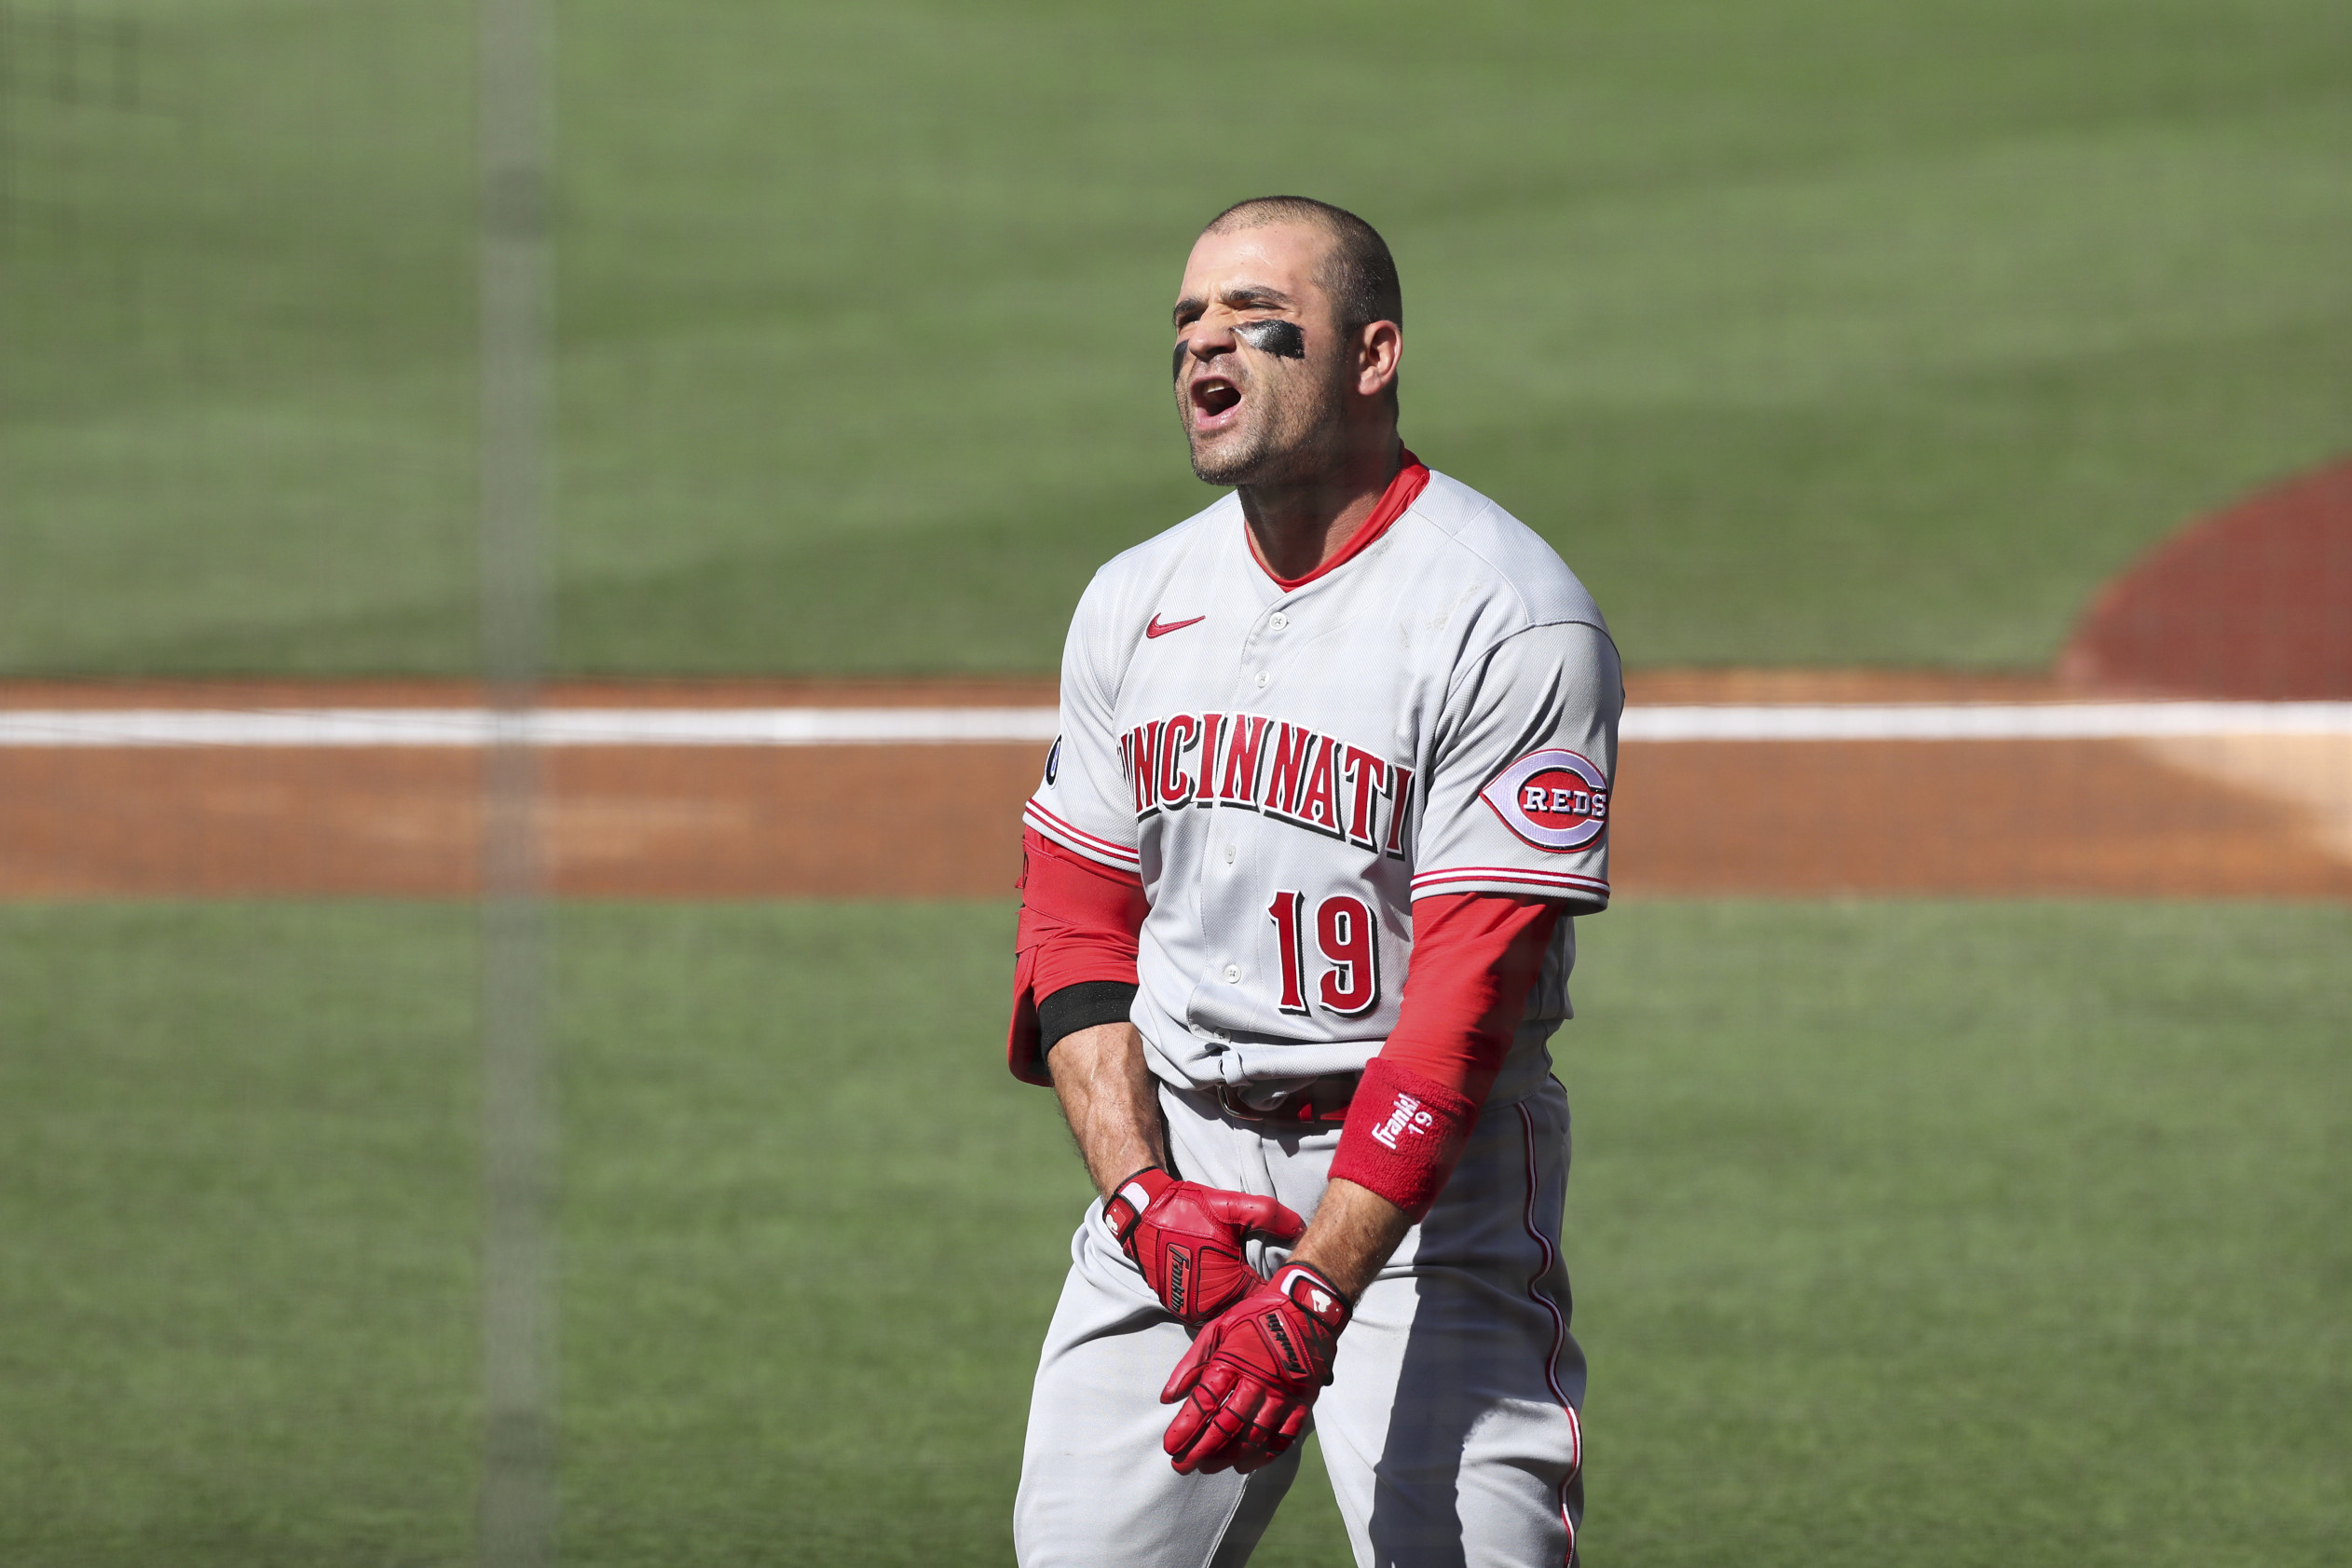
(1287, 769)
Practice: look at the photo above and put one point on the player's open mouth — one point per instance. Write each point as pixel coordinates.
(1214, 397)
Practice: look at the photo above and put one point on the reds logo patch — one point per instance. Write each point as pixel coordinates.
(1552, 798)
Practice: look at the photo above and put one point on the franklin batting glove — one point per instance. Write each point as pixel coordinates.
(1251, 1376)
(1188, 1239)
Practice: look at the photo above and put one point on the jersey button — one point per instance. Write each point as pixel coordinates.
(1278, 620)
(1263, 678)
(1228, 854)
(1233, 975)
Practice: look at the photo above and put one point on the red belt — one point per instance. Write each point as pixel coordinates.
(1319, 1101)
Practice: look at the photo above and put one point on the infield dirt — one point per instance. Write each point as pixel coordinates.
(2242, 817)
(2255, 603)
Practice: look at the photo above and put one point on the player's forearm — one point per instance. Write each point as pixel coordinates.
(1110, 1100)
(1352, 1234)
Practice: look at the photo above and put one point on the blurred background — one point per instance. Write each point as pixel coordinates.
(1950, 407)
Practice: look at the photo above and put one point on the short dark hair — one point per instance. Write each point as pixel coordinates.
(1359, 274)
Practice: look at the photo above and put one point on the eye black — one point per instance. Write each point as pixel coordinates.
(1282, 339)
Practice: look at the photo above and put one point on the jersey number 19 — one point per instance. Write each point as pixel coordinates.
(1349, 940)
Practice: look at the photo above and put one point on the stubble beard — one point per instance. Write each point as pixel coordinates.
(1283, 441)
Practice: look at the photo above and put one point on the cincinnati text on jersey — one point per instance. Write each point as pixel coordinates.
(1259, 764)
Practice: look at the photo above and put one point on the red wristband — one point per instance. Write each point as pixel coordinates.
(1405, 1132)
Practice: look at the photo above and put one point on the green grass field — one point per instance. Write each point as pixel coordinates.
(1942, 1233)
(1946, 1234)
(1824, 331)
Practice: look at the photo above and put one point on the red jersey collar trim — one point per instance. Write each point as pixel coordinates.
(1403, 491)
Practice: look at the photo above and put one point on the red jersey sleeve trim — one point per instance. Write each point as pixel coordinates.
(1411, 479)
(1559, 882)
(1043, 823)
(1079, 922)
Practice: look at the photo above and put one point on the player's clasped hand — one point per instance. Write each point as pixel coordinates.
(1188, 1239)
(1253, 1374)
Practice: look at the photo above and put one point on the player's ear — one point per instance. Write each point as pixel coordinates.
(1379, 350)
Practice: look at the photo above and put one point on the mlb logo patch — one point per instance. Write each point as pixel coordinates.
(1554, 798)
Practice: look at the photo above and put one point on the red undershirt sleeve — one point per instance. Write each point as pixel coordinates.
(1078, 923)
(1475, 956)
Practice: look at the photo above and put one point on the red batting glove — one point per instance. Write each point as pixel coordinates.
(1188, 1239)
(1254, 1373)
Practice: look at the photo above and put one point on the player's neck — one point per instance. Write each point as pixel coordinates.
(1296, 526)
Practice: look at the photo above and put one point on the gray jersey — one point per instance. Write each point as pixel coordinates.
(1289, 769)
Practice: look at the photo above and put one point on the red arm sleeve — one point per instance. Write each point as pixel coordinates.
(1078, 922)
(1475, 956)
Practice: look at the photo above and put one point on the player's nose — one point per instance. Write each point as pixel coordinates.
(1210, 336)
(1203, 344)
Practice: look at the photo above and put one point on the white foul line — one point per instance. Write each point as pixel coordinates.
(545, 727)
(2008, 721)
(306, 727)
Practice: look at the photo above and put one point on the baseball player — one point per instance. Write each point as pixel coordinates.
(1333, 778)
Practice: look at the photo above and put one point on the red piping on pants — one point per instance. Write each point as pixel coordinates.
(1559, 1329)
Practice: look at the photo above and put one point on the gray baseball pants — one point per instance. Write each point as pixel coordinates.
(1449, 1430)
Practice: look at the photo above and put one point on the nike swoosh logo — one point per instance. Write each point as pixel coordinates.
(1156, 630)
